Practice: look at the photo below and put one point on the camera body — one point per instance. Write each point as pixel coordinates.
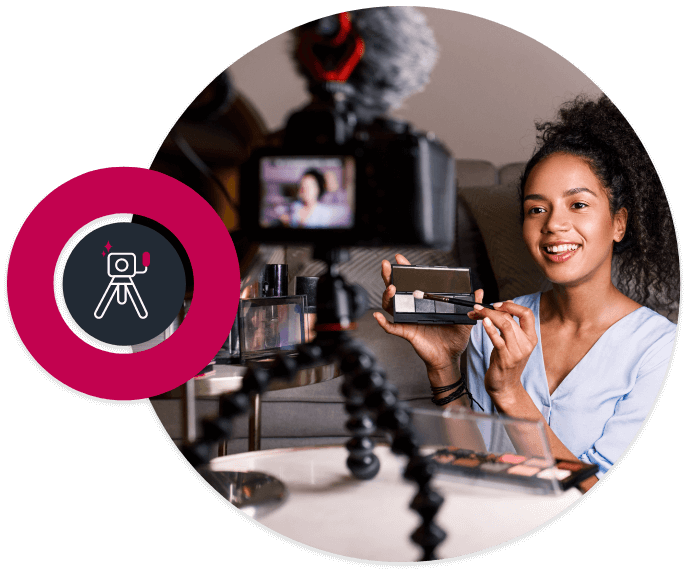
(121, 264)
(393, 185)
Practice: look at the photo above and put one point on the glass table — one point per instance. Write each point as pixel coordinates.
(327, 508)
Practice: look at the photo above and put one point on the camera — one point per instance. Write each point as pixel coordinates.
(339, 176)
(375, 184)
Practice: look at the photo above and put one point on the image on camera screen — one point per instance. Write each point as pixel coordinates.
(307, 192)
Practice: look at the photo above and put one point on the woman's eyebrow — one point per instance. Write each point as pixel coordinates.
(566, 193)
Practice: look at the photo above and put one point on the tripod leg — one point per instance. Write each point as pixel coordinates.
(109, 293)
(121, 294)
(136, 301)
(372, 401)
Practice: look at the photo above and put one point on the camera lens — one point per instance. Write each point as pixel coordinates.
(124, 262)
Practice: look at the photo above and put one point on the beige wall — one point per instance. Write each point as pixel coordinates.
(488, 86)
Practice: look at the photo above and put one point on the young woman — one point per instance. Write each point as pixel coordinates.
(585, 358)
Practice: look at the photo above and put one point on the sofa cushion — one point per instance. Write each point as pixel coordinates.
(496, 211)
(470, 252)
(301, 419)
(510, 173)
(471, 173)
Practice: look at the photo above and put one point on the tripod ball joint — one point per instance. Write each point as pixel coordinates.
(256, 381)
(420, 470)
(394, 418)
(405, 442)
(426, 503)
(216, 430)
(365, 467)
(283, 367)
(309, 354)
(369, 380)
(198, 453)
(356, 360)
(233, 404)
(428, 536)
(381, 399)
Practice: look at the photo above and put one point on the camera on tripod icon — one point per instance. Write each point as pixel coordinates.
(121, 270)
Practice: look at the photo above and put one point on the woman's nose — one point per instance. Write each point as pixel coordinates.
(557, 221)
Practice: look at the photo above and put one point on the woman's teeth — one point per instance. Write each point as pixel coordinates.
(561, 248)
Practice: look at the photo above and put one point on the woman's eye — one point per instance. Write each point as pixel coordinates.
(579, 205)
(536, 209)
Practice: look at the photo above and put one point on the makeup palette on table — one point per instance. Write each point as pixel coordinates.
(493, 450)
(514, 469)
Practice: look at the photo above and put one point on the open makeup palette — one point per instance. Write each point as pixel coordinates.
(496, 451)
(434, 280)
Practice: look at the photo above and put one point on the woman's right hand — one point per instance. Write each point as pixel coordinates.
(438, 346)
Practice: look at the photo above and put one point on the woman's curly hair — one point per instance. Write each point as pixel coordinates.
(647, 258)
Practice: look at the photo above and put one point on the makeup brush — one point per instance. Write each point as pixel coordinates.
(449, 299)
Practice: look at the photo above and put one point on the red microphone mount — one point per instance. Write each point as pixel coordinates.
(344, 52)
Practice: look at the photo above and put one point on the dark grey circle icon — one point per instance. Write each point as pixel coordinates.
(124, 284)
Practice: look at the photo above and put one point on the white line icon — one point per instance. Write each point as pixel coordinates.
(121, 270)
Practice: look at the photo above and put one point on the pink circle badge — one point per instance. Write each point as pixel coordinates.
(72, 206)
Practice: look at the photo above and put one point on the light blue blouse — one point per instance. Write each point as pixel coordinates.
(599, 407)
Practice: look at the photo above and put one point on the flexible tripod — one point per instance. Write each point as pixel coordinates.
(371, 401)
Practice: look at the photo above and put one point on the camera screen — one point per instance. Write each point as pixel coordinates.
(307, 192)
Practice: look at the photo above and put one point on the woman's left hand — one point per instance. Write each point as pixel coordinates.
(513, 344)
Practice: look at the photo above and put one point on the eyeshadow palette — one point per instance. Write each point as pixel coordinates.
(530, 472)
(434, 280)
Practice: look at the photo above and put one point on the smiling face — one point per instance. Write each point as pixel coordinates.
(309, 190)
(568, 227)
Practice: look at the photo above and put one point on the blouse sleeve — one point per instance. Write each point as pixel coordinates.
(632, 409)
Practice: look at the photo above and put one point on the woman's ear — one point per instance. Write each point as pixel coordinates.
(619, 222)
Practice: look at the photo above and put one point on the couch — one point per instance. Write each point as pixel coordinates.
(488, 241)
